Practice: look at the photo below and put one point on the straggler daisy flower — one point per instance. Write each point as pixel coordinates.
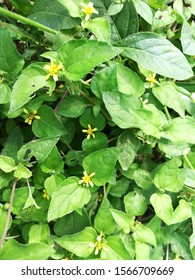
(90, 131)
(31, 116)
(45, 194)
(152, 80)
(88, 9)
(86, 179)
(99, 244)
(53, 70)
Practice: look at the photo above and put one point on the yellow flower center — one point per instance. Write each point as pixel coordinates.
(45, 194)
(53, 69)
(90, 131)
(88, 10)
(31, 116)
(152, 79)
(86, 178)
(99, 244)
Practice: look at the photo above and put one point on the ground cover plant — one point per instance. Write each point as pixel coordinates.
(97, 130)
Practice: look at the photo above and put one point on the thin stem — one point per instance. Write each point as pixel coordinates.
(8, 214)
(31, 22)
(188, 162)
(61, 100)
(167, 113)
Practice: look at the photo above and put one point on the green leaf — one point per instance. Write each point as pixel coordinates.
(22, 172)
(115, 249)
(120, 188)
(192, 237)
(101, 162)
(126, 112)
(142, 251)
(144, 234)
(14, 250)
(5, 93)
(53, 163)
(7, 164)
(68, 197)
(39, 148)
(162, 204)
(20, 197)
(181, 246)
(188, 38)
(142, 178)
(100, 27)
(79, 57)
(31, 79)
(39, 233)
(71, 223)
(11, 61)
(52, 183)
(167, 94)
(180, 130)
(135, 204)
(48, 125)
(182, 212)
(88, 117)
(114, 8)
(117, 77)
(143, 10)
(73, 6)
(99, 142)
(170, 177)
(79, 243)
(157, 55)
(52, 14)
(123, 23)
(125, 221)
(128, 146)
(103, 215)
(72, 107)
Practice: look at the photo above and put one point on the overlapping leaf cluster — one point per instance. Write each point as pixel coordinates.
(97, 130)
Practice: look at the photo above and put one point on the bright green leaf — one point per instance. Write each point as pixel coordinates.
(103, 215)
(79, 57)
(143, 10)
(144, 234)
(22, 172)
(68, 197)
(188, 38)
(39, 233)
(79, 243)
(72, 106)
(162, 204)
(157, 55)
(7, 164)
(101, 162)
(182, 212)
(125, 221)
(13, 250)
(135, 204)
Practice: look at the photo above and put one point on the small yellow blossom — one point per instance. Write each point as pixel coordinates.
(45, 194)
(1, 80)
(88, 9)
(99, 244)
(152, 80)
(90, 131)
(86, 179)
(53, 70)
(31, 116)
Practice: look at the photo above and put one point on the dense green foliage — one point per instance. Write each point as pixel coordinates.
(97, 108)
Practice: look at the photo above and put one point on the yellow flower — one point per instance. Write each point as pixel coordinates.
(53, 70)
(88, 9)
(90, 131)
(99, 244)
(1, 80)
(45, 194)
(31, 116)
(151, 80)
(86, 179)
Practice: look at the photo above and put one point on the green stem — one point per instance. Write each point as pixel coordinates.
(167, 113)
(188, 162)
(31, 22)
(8, 214)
